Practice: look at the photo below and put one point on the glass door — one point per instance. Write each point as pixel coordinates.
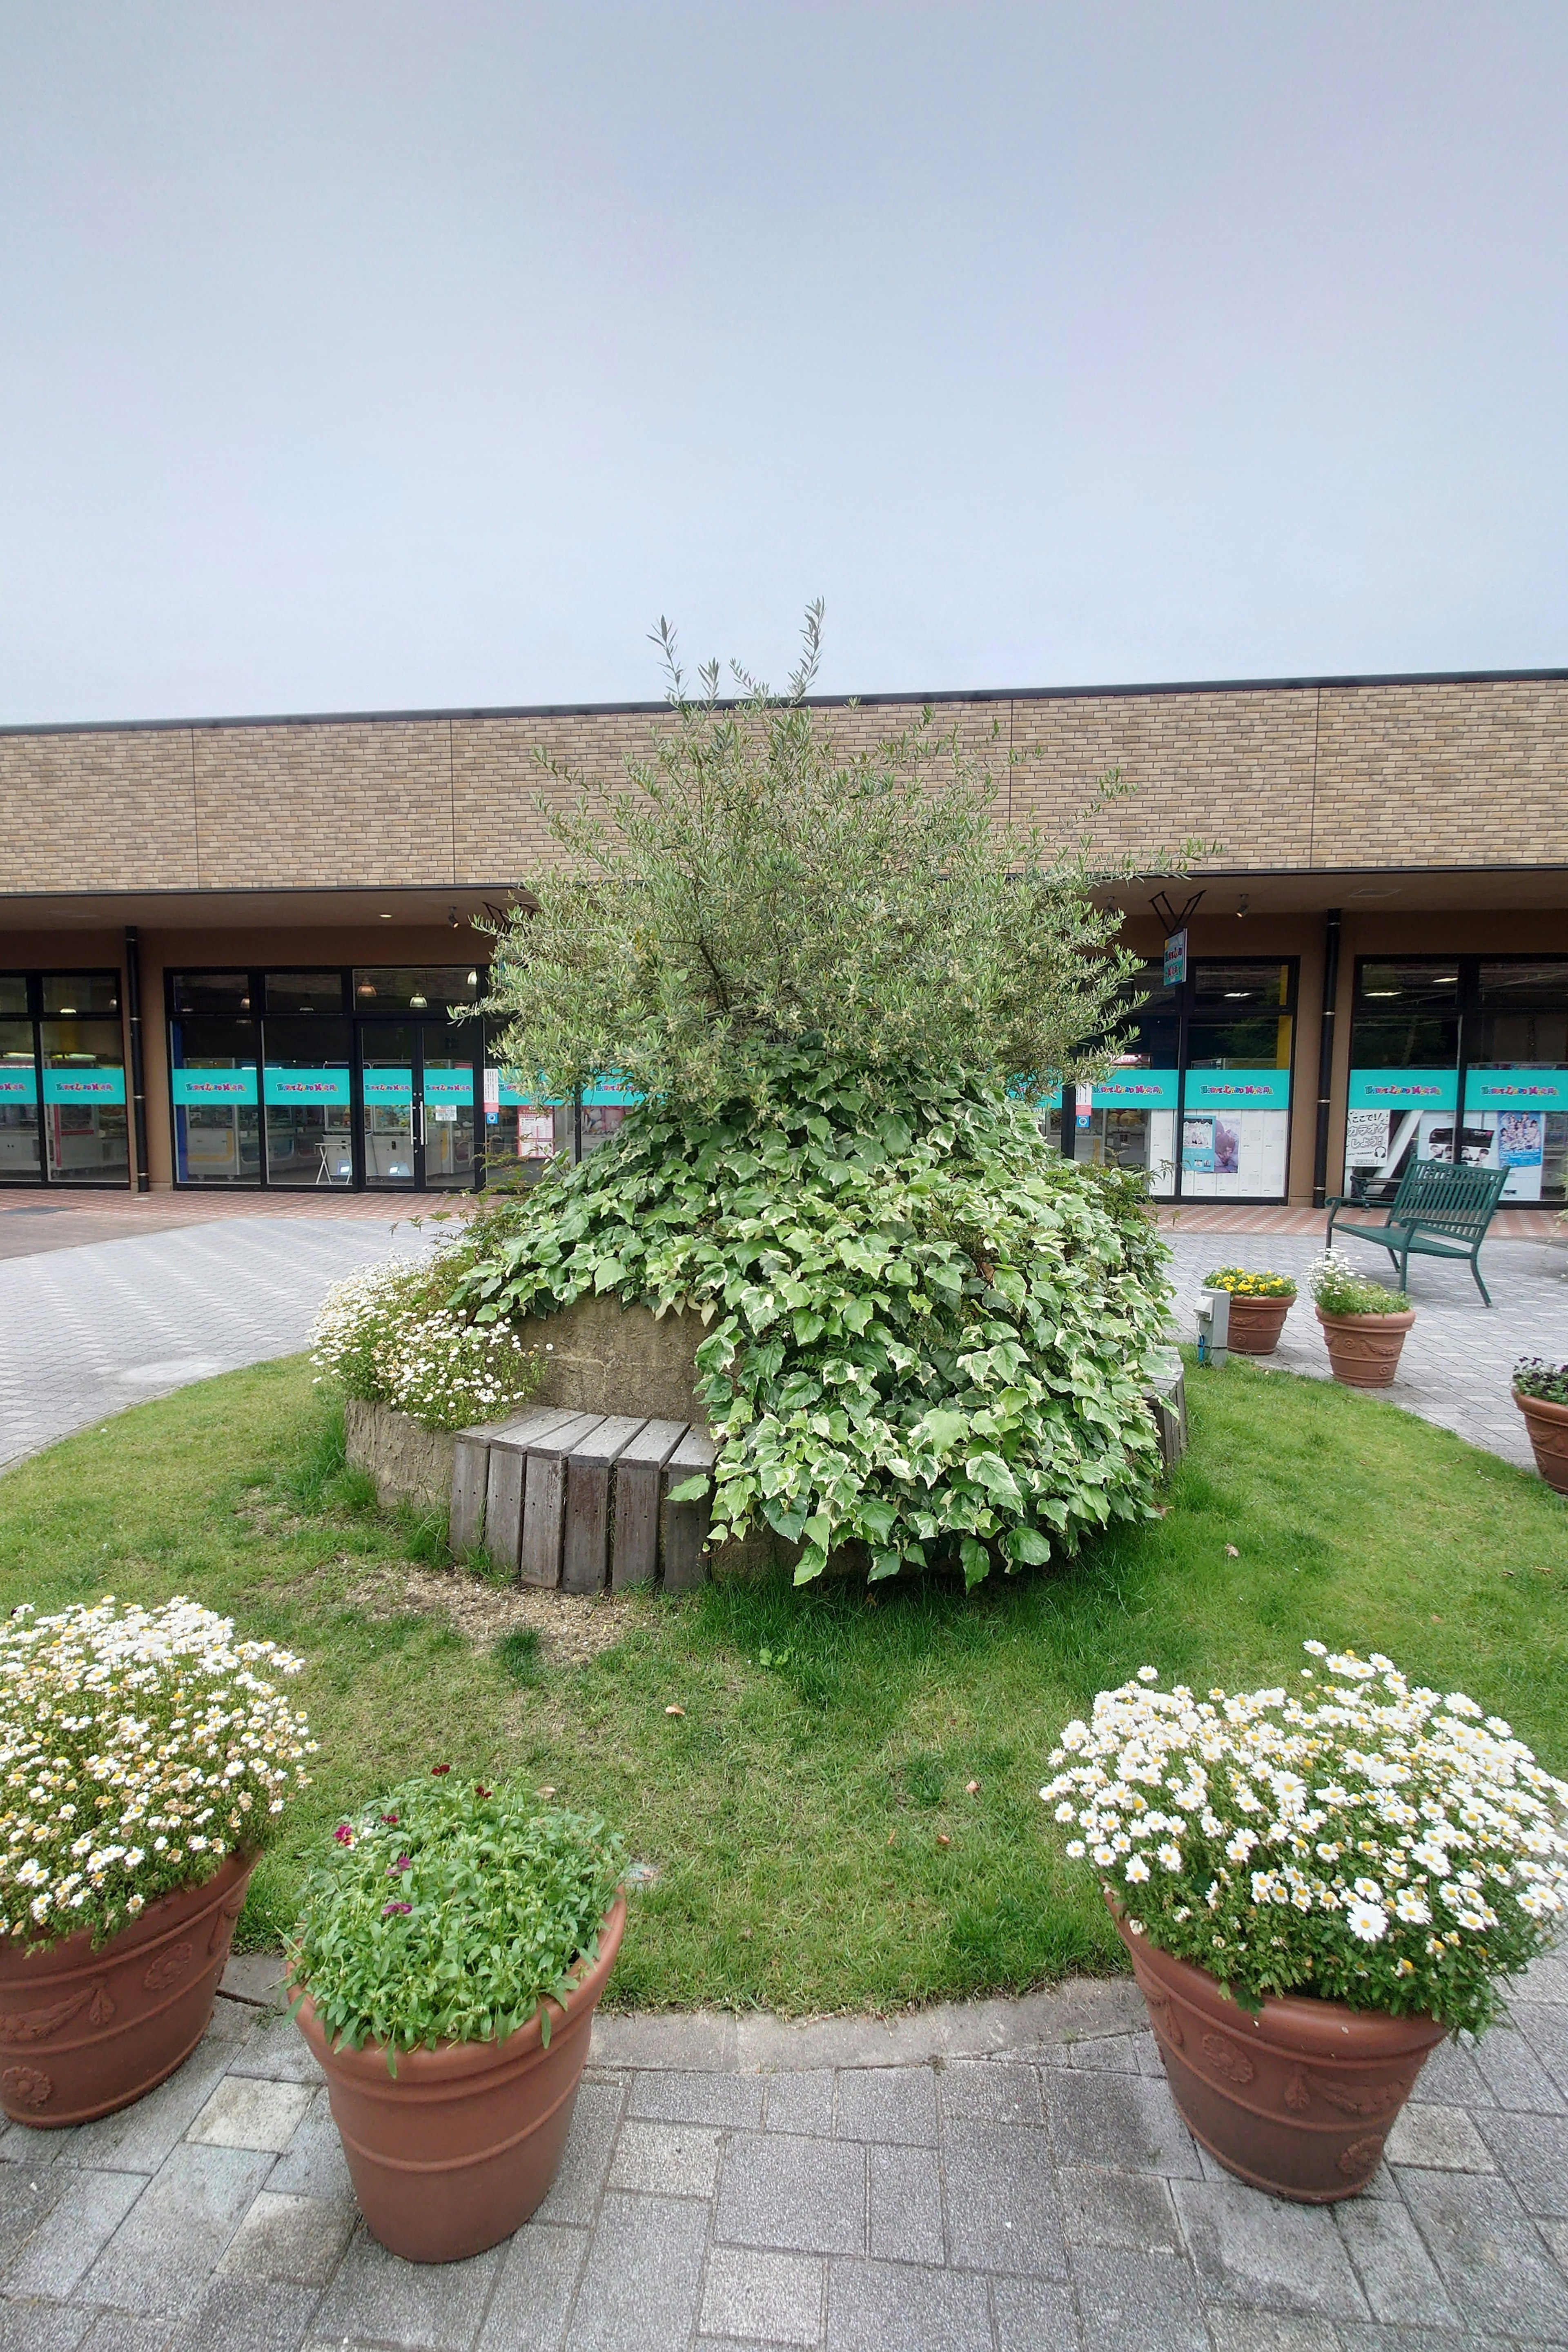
(445, 1108)
(20, 1161)
(390, 1121)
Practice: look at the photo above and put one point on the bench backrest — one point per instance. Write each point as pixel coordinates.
(1455, 1201)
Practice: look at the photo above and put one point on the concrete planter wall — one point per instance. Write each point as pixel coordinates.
(409, 1464)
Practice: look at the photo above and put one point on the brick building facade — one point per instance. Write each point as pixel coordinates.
(1407, 838)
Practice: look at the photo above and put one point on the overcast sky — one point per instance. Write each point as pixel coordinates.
(367, 356)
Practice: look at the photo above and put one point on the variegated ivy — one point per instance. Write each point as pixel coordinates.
(929, 1333)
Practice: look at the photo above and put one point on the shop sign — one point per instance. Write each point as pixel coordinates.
(19, 1085)
(388, 1089)
(1176, 960)
(1403, 1090)
(84, 1086)
(193, 1087)
(450, 1087)
(289, 1089)
(597, 1097)
(1134, 1090)
(1516, 1090)
(1233, 1090)
(499, 1091)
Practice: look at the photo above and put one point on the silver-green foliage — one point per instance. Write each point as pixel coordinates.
(929, 1333)
(445, 1912)
(771, 875)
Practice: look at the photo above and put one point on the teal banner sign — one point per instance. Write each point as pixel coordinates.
(450, 1087)
(19, 1086)
(290, 1089)
(195, 1086)
(595, 1097)
(1237, 1090)
(1135, 1090)
(84, 1086)
(501, 1093)
(1505, 1090)
(1403, 1090)
(388, 1089)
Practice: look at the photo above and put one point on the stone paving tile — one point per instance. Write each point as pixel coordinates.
(295, 2240)
(27, 2198)
(1396, 2272)
(1119, 2119)
(1439, 2139)
(989, 2091)
(1493, 2262)
(900, 2307)
(277, 2051)
(1274, 2331)
(802, 2102)
(801, 2196)
(533, 2294)
(665, 2159)
(45, 2327)
(999, 2191)
(735, 2100)
(117, 2331)
(1510, 2067)
(1545, 2026)
(771, 2298)
(1252, 2248)
(312, 2164)
(1034, 2315)
(1131, 2211)
(1532, 2152)
(238, 2315)
(160, 2258)
(1135, 2302)
(905, 2210)
(887, 2104)
(69, 2241)
(586, 2158)
(142, 2137)
(1451, 2076)
(243, 2113)
(644, 2271)
(426, 2307)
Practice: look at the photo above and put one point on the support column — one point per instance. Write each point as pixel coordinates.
(137, 1079)
(1326, 1054)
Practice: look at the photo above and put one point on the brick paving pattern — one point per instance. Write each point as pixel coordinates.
(1457, 1355)
(1040, 2198)
(85, 1331)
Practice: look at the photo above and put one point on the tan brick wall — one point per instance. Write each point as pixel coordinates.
(1272, 778)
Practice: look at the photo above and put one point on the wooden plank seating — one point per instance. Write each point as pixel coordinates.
(639, 1483)
(585, 1555)
(1438, 1211)
(544, 1499)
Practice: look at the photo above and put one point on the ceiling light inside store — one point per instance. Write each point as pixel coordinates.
(386, 919)
(366, 988)
(67, 1008)
(1382, 992)
(473, 979)
(419, 1003)
(1236, 992)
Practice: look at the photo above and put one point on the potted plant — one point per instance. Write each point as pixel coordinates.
(144, 1760)
(1540, 1392)
(452, 1950)
(1363, 1322)
(1260, 1302)
(1313, 1890)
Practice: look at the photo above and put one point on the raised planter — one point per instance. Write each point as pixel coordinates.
(1255, 1323)
(84, 2032)
(1548, 1426)
(455, 2151)
(1363, 1350)
(1298, 2099)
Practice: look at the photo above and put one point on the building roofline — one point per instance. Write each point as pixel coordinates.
(945, 697)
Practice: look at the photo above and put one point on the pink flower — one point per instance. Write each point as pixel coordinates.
(437, 1771)
(388, 1908)
(344, 1834)
(390, 1819)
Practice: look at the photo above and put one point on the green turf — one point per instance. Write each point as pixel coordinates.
(797, 1811)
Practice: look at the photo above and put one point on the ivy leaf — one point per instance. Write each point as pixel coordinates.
(942, 1430)
(690, 1490)
(976, 1562)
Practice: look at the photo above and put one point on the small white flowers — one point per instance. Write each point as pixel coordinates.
(1366, 1921)
(385, 1335)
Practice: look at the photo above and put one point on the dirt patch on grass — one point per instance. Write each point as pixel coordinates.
(572, 1627)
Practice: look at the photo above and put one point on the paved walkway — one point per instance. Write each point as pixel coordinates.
(85, 1332)
(1042, 2197)
(1458, 1355)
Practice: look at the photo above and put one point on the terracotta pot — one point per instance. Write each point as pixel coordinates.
(1548, 1426)
(1299, 2099)
(1255, 1323)
(84, 2032)
(1363, 1350)
(455, 2151)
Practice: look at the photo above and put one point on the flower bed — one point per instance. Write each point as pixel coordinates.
(1246, 1282)
(391, 1335)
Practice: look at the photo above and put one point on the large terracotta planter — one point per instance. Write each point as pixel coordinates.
(455, 2151)
(1255, 1323)
(84, 2032)
(1363, 1350)
(1548, 1426)
(1298, 2100)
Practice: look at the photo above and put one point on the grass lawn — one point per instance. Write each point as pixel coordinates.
(816, 1844)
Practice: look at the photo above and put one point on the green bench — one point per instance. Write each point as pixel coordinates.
(1438, 1210)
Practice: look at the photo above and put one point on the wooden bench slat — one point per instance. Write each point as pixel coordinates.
(634, 1533)
(544, 1494)
(500, 1498)
(586, 1552)
(683, 1527)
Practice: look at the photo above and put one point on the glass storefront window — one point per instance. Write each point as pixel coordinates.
(1235, 1088)
(19, 1159)
(13, 1005)
(305, 992)
(1516, 1079)
(1128, 1119)
(73, 994)
(307, 1094)
(410, 988)
(386, 1082)
(213, 1080)
(87, 1139)
(211, 991)
(448, 1059)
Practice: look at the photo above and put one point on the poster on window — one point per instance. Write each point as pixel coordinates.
(1366, 1139)
(1197, 1146)
(535, 1134)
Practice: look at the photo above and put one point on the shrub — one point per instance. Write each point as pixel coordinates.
(1371, 1843)
(139, 1747)
(391, 1334)
(1339, 1290)
(929, 1334)
(1534, 1377)
(450, 1912)
(1243, 1282)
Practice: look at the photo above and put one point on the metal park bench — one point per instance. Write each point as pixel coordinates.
(1438, 1211)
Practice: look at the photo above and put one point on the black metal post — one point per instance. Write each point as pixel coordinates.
(1326, 1054)
(138, 1084)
